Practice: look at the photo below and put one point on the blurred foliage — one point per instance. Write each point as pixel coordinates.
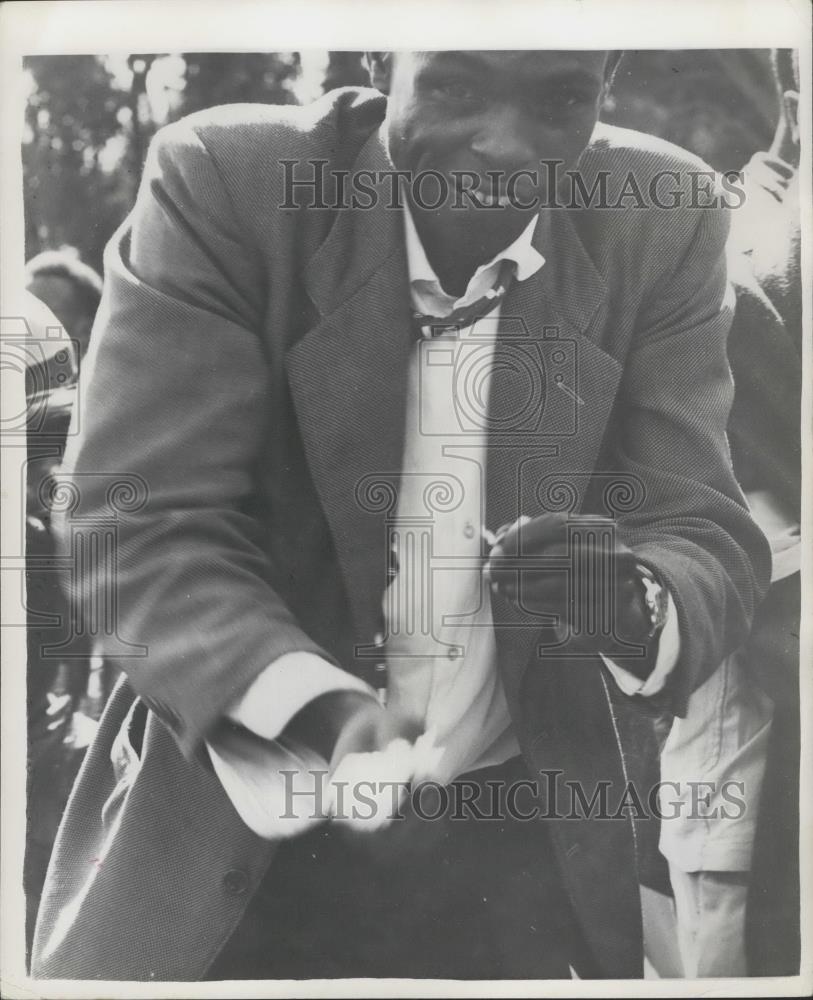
(88, 121)
(87, 132)
(214, 78)
(74, 111)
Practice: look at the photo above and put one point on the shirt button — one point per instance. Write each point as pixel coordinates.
(235, 881)
(392, 564)
(453, 652)
(468, 530)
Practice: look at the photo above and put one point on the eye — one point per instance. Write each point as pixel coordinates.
(561, 106)
(576, 99)
(458, 90)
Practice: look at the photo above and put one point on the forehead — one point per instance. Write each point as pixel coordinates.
(505, 66)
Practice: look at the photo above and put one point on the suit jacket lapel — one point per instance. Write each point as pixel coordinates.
(552, 391)
(348, 381)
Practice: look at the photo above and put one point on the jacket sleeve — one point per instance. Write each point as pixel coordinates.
(693, 526)
(174, 399)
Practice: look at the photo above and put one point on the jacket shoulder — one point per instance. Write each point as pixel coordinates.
(241, 136)
(247, 151)
(613, 148)
(659, 200)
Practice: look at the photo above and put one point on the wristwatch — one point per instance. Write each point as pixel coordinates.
(656, 600)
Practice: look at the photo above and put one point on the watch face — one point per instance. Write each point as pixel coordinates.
(655, 599)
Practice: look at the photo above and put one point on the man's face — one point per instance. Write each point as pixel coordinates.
(483, 112)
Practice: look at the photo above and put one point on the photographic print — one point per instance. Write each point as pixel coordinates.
(403, 560)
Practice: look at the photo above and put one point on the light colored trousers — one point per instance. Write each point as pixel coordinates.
(710, 909)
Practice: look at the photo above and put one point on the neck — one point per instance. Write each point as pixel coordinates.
(454, 250)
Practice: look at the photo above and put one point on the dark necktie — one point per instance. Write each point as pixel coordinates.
(426, 326)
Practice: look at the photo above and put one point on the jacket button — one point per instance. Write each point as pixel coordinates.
(235, 881)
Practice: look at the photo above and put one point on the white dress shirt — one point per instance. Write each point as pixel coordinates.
(440, 648)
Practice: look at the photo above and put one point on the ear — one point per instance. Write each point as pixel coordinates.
(379, 66)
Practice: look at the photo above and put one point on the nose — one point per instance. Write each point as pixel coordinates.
(506, 140)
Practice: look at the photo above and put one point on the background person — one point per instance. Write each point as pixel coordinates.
(736, 878)
(70, 288)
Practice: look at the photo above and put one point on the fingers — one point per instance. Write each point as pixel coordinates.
(396, 726)
(366, 790)
(540, 567)
(372, 729)
(537, 594)
(530, 535)
(779, 168)
(536, 535)
(771, 174)
(544, 536)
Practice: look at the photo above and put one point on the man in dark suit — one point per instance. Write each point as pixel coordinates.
(286, 432)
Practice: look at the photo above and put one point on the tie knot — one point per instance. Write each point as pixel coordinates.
(427, 326)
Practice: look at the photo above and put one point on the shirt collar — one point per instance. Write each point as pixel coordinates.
(426, 288)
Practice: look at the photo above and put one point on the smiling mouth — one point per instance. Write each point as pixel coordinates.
(485, 198)
(495, 200)
(491, 195)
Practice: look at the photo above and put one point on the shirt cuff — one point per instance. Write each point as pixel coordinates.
(668, 653)
(276, 787)
(285, 687)
(275, 783)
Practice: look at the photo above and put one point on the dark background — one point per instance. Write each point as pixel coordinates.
(89, 119)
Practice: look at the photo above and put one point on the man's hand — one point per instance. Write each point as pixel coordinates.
(558, 564)
(343, 722)
(368, 746)
(770, 173)
(369, 728)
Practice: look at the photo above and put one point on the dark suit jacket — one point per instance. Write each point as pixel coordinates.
(246, 381)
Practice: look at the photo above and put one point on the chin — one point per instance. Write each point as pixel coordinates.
(494, 225)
